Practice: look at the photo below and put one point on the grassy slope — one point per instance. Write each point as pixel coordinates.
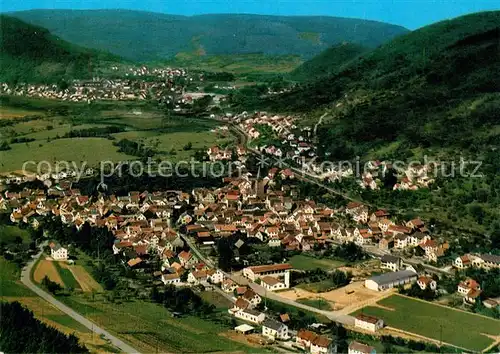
(32, 53)
(153, 326)
(148, 36)
(458, 328)
(326, 62)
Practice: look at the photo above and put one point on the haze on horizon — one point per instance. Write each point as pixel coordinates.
(411, 14)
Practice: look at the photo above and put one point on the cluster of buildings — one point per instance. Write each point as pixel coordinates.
(296, 145)
(379, 229)
(100, 89)
(293, 143)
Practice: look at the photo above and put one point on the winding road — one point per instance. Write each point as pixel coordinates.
(26, 280)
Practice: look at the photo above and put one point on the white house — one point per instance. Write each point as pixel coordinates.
(250, 315)
(360, 348)
(272, 284)
(368, 323)
(274, 329)
(390, 262)
(173, 279)
(426, 282)
(215, 276)
(57, 252)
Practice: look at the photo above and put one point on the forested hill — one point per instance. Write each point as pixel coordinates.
(146, 36)
(21, 332)
(437, 86)
(31, 53)
(327, 62)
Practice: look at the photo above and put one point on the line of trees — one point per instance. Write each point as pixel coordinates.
(93, 132)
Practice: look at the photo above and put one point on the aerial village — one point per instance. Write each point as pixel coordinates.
(138, 84)
(183, 227)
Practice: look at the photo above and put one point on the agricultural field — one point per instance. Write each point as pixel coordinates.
(47, 268)
(11, 289)
(150, 327)
(44, 138)
(303, 262)
(67, 276)
(455, 327)
(13, 112)
(84, 280)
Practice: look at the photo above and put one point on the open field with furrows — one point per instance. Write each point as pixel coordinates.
(66, 276)
(44, 139)
(47, 268)
(11, 289)
(150, 327)
(303, 262)
(460, 328)
(82, 277)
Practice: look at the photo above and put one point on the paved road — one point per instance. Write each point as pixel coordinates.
(26, 280)
(332, 315)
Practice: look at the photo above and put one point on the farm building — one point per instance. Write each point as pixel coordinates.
(369, 323)
(390, 280)
(360, 348)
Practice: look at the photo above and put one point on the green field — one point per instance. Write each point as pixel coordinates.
(9, 280)
(304, 262)
(455, 327)
(150, 327)
(141, 123)
(67, 277)
(321, 304)
(9, 234)
(318, 287)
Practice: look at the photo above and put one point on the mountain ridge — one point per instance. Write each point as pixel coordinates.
(30, 53)
(149, 36)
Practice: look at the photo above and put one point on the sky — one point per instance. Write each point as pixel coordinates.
(411, 14)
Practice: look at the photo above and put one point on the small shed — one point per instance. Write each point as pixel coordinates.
(244, 329)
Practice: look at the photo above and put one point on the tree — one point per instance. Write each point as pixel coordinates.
(51, 286)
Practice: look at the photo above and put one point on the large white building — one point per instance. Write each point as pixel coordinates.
(274, 270)
(391, 280)
(57, 252)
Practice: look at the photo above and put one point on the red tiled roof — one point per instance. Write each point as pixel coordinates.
(270, 268)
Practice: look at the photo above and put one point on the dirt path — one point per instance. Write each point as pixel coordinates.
(410, 335)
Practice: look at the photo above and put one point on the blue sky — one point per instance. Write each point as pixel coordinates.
(409, 13)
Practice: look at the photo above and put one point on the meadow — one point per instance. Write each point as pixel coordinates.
(459, 328)
(45, 138)
(303, 262)
(11, 289)
(150, 327)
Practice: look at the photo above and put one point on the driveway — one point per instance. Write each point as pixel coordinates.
(26, 280)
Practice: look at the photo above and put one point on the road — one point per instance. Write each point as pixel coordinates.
(301, 174)
(26, 280)
(332, 315)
